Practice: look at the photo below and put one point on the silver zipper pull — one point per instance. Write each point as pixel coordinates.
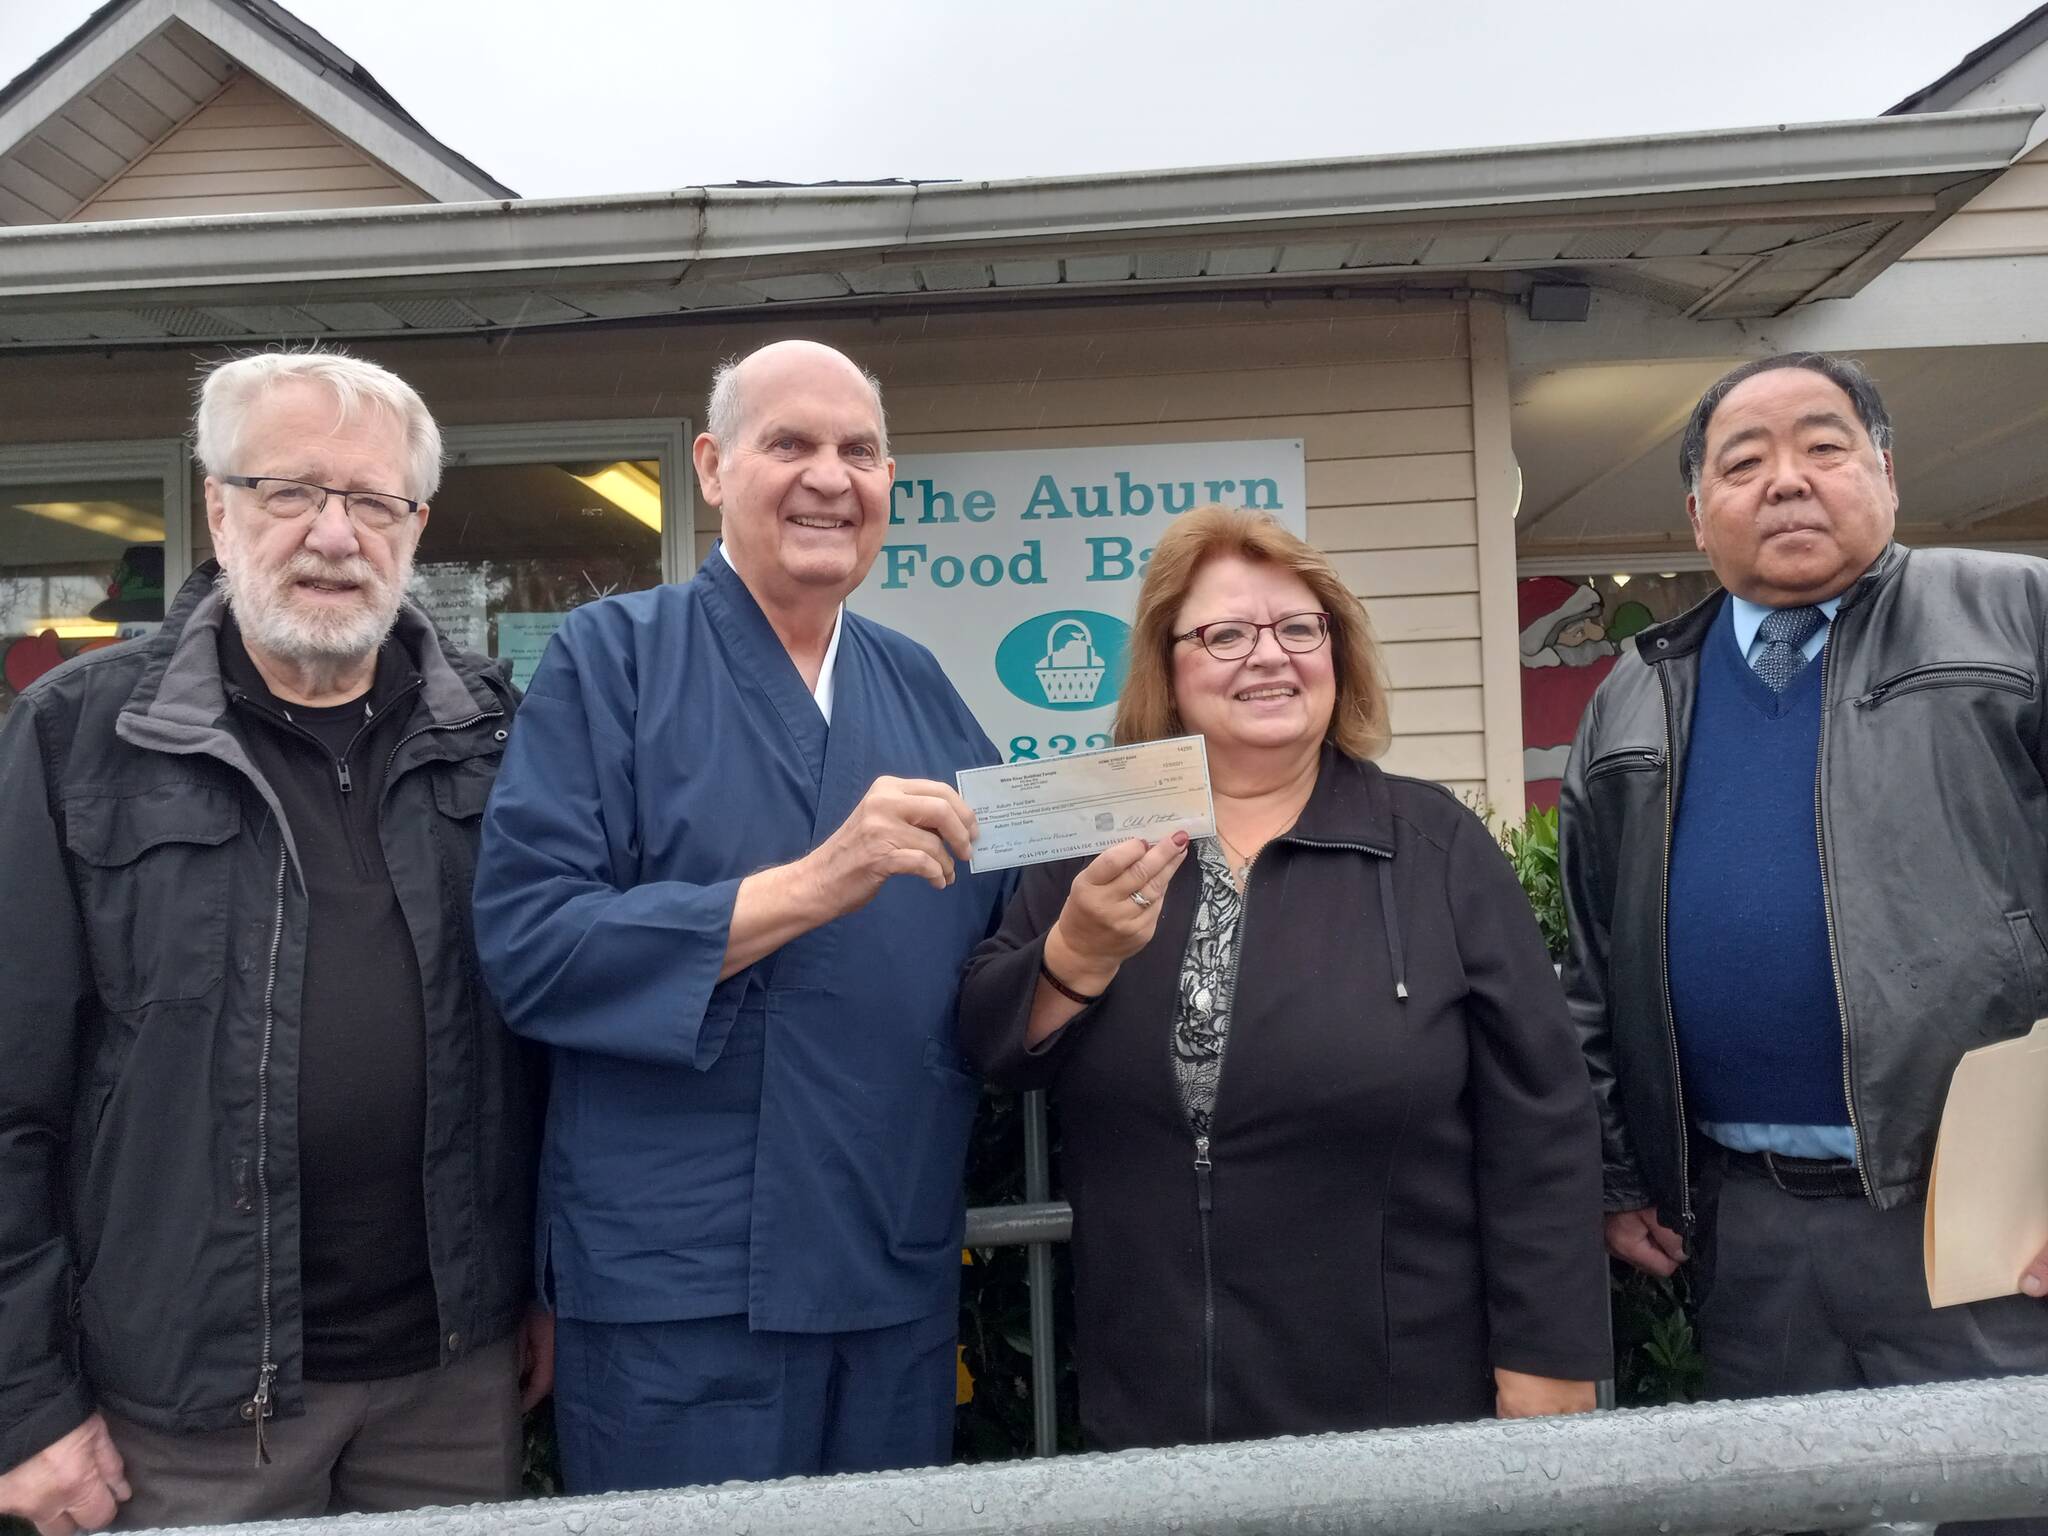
(1204, 1200)
(260, 1403)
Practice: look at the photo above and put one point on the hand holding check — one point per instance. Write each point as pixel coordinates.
(913, 827)
(1112, 910)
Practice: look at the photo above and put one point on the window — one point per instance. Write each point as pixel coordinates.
(534, 521)
(1573, 629)
(93, 538)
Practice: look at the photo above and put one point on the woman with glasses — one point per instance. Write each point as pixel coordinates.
(1327, 1130)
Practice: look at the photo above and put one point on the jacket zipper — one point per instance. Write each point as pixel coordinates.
(1685, 1216)
(1624, 760)
(1205, 1197)
(266, 1368)
(1204, 1204)
(341, 770)
(1827, 906)
(1947, 675)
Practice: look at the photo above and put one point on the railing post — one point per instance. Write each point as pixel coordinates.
(1038, 1259)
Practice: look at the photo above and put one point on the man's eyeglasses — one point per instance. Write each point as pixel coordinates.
(1235, 639)
(288, 499)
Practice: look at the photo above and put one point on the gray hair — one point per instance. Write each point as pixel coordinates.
(726, 412)
(229, 391)
(1844, 373)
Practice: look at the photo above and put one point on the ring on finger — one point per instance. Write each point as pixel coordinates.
(1141, 898)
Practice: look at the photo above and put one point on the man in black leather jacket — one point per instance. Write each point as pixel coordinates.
(266, 1146)
(1805, 852)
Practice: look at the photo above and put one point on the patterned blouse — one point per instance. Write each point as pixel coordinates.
(1208, 972)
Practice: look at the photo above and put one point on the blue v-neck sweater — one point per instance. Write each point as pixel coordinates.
(1752, 987)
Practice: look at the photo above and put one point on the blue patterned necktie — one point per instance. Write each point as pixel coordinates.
(1784, 631)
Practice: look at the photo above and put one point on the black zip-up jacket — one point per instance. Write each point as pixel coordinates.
(1931, 826)
(149, 991)
(1398, 1193)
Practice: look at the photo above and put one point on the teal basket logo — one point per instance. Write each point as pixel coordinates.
(1069, 659)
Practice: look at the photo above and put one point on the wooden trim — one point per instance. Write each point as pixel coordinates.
(1498, 485)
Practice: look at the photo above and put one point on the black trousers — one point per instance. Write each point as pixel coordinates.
(1830, 1295)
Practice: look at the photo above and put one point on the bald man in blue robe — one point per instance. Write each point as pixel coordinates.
(723, 876)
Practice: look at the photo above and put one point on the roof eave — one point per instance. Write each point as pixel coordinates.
(1676, 175)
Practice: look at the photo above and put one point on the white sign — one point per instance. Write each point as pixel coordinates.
(1020, 571)
(452, 593)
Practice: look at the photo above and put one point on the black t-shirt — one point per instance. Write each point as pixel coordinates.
(368, 1291)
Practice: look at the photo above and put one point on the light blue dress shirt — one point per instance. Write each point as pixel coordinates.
(1830, 1141)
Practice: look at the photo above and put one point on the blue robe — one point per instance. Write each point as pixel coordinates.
(788, 1143)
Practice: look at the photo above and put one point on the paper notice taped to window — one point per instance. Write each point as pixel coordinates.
(1987, 1197)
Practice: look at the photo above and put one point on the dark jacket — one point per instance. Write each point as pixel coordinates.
(149, 993)
(1402, 1193)
(1932, 832)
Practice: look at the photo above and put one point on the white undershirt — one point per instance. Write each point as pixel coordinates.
(823, 692)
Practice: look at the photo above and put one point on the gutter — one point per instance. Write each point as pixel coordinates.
(1682, 177)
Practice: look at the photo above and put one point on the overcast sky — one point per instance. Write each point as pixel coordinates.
(562, 97)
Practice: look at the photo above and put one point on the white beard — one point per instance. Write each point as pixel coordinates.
(273, 621)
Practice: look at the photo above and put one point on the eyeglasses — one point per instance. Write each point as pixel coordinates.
(286, 500)
(1235, 639)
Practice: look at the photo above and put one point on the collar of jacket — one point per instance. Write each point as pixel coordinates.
(1682, 636)
(1348, 808)
(179, 702)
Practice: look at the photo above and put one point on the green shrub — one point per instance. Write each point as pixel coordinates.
(1532, 849)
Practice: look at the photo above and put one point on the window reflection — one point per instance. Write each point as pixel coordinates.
(81, 566)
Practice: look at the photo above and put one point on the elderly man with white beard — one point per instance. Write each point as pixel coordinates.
(268, 1148)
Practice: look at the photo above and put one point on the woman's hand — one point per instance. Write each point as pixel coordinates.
(1518, 1395)
(1101, 926)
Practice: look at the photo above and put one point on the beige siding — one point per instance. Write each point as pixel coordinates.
(248, 150)
(1380, 394)
(2008, 218)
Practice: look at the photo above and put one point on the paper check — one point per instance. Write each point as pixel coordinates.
(1063, 807)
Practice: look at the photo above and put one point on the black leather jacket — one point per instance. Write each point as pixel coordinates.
(1932, 832)
(155, 925)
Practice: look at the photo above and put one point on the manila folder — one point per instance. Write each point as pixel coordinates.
(1987, 1197)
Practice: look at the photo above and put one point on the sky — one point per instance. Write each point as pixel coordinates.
(577, 97)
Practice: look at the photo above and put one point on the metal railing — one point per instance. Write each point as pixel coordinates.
(1959, 1451)
(1037, 1224)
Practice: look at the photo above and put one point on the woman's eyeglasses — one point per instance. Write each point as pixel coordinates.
(1235, 639)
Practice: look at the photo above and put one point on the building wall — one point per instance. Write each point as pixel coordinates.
(1381, 394)
(2008, 218)
(249, 150)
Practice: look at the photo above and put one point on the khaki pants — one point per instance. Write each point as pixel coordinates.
(445, 1436)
